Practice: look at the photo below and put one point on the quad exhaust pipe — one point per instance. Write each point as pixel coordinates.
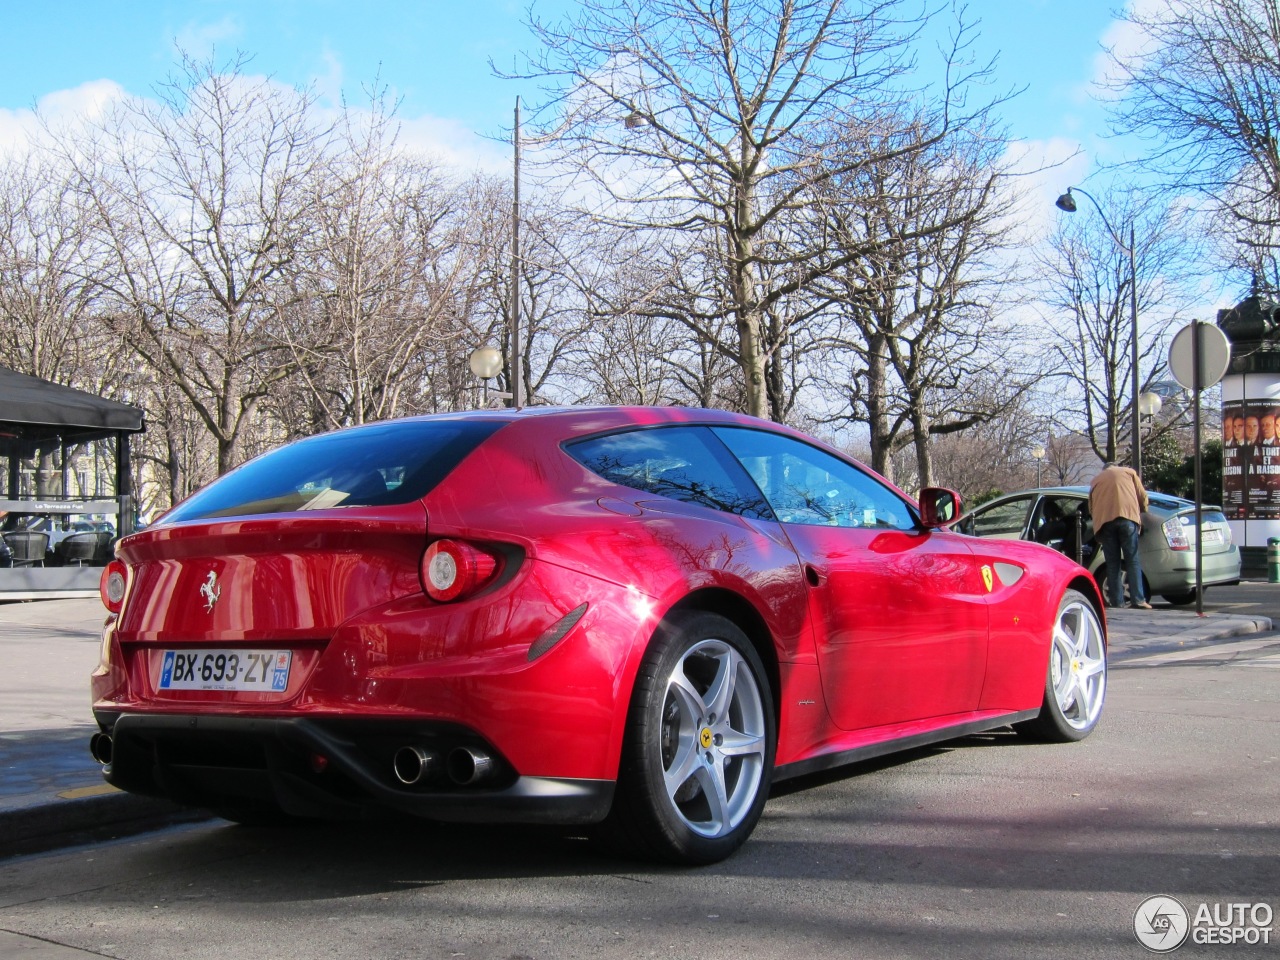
(100, 748)
(413, 764)
(464, 766)
(468, 766)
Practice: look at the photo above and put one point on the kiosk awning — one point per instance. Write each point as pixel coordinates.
(30, 400)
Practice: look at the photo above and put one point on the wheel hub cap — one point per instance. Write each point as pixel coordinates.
(713, 738)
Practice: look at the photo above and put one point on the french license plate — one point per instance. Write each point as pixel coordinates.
(1210, 536)
(261, 670)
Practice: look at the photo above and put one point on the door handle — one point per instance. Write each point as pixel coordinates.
(812, 576)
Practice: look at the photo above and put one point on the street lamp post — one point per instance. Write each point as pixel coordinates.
(1038, 452)
(485, 363)
(517, 376)
(1067, 203)
(1150, 404)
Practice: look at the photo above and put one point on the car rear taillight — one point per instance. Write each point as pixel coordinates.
(112, 584)
(1176, 534)
(452, 569)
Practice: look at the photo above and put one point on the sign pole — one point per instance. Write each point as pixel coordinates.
(1196, 365)
(1197, 376)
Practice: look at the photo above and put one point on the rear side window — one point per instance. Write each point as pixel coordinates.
(387, 463)
(681, 463)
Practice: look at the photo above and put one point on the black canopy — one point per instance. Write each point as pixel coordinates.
(30, 400)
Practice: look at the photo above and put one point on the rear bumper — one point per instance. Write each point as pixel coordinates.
(331, 768)
(1180, 575)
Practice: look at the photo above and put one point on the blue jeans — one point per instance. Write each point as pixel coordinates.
(1120, 536)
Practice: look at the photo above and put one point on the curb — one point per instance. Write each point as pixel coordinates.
(100, 816)
(1187, 639)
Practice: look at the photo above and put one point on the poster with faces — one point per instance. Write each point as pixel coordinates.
(1250, 459)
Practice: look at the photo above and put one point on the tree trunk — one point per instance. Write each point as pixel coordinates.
(920, 436)
(877, 405)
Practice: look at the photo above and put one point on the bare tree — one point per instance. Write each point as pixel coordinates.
(560, 270)
(1090, 330)
(381, 277)
(199, 197)
(700, 117)
(641, 349)
(923, 301)
(1204, 92)
(991, 457)
(46, 304)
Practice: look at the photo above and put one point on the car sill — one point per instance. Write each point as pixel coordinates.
(829, 760)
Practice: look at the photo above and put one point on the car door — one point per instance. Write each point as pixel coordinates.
(1004, 519)
(898, 613)
(1062, 521)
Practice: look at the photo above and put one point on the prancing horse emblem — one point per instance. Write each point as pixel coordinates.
(210, 591)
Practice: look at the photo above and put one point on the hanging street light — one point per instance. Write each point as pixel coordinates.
(1067, 203)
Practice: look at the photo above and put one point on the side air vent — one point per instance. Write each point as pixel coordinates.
(557, 632)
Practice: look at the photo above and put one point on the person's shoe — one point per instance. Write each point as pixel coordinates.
(1141, 605)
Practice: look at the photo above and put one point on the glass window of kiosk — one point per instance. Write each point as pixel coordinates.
(58, 504)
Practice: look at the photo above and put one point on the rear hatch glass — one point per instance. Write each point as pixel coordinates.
(395, 462)
(1169, 504)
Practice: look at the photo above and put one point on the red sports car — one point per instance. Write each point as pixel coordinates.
(634, 618)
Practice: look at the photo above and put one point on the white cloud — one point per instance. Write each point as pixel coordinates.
(1124, 41)
(328, 83)
(18, 128)
(454, 145)
(201, 40)
(87, 101)
(1044, 168)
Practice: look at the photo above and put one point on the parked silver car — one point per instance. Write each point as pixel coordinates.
(1059, 517)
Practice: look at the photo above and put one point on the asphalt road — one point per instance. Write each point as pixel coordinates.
(987, 847)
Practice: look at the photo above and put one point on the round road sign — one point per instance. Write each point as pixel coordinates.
(1215, 355)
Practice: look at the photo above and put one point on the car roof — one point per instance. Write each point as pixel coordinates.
(1162, 501)
(618, 414)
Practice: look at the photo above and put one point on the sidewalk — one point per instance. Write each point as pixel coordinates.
(52, 792)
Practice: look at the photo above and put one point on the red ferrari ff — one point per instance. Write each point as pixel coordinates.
(633, 618)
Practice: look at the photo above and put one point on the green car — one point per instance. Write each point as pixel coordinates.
(1059, 518)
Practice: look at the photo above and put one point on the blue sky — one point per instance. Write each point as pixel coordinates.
(435, 54)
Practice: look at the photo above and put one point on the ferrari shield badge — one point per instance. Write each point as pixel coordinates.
(211, 591)
(986, 577)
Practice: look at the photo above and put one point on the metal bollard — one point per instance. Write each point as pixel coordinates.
(1273, 560)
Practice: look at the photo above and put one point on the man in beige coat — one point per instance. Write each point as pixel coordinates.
(1116, 502)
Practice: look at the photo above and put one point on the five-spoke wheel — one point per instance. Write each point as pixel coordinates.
(1076, 685)
(712, 738)
(700, 745)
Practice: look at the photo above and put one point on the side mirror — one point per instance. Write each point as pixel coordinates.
(938, 507)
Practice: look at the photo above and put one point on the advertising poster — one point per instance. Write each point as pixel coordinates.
(1250, 460)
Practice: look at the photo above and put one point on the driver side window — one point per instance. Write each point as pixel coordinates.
(809, 486)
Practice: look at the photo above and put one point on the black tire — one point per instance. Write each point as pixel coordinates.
(673, 726)
(1100, 578)
(1076, 676)
(1180, 599)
